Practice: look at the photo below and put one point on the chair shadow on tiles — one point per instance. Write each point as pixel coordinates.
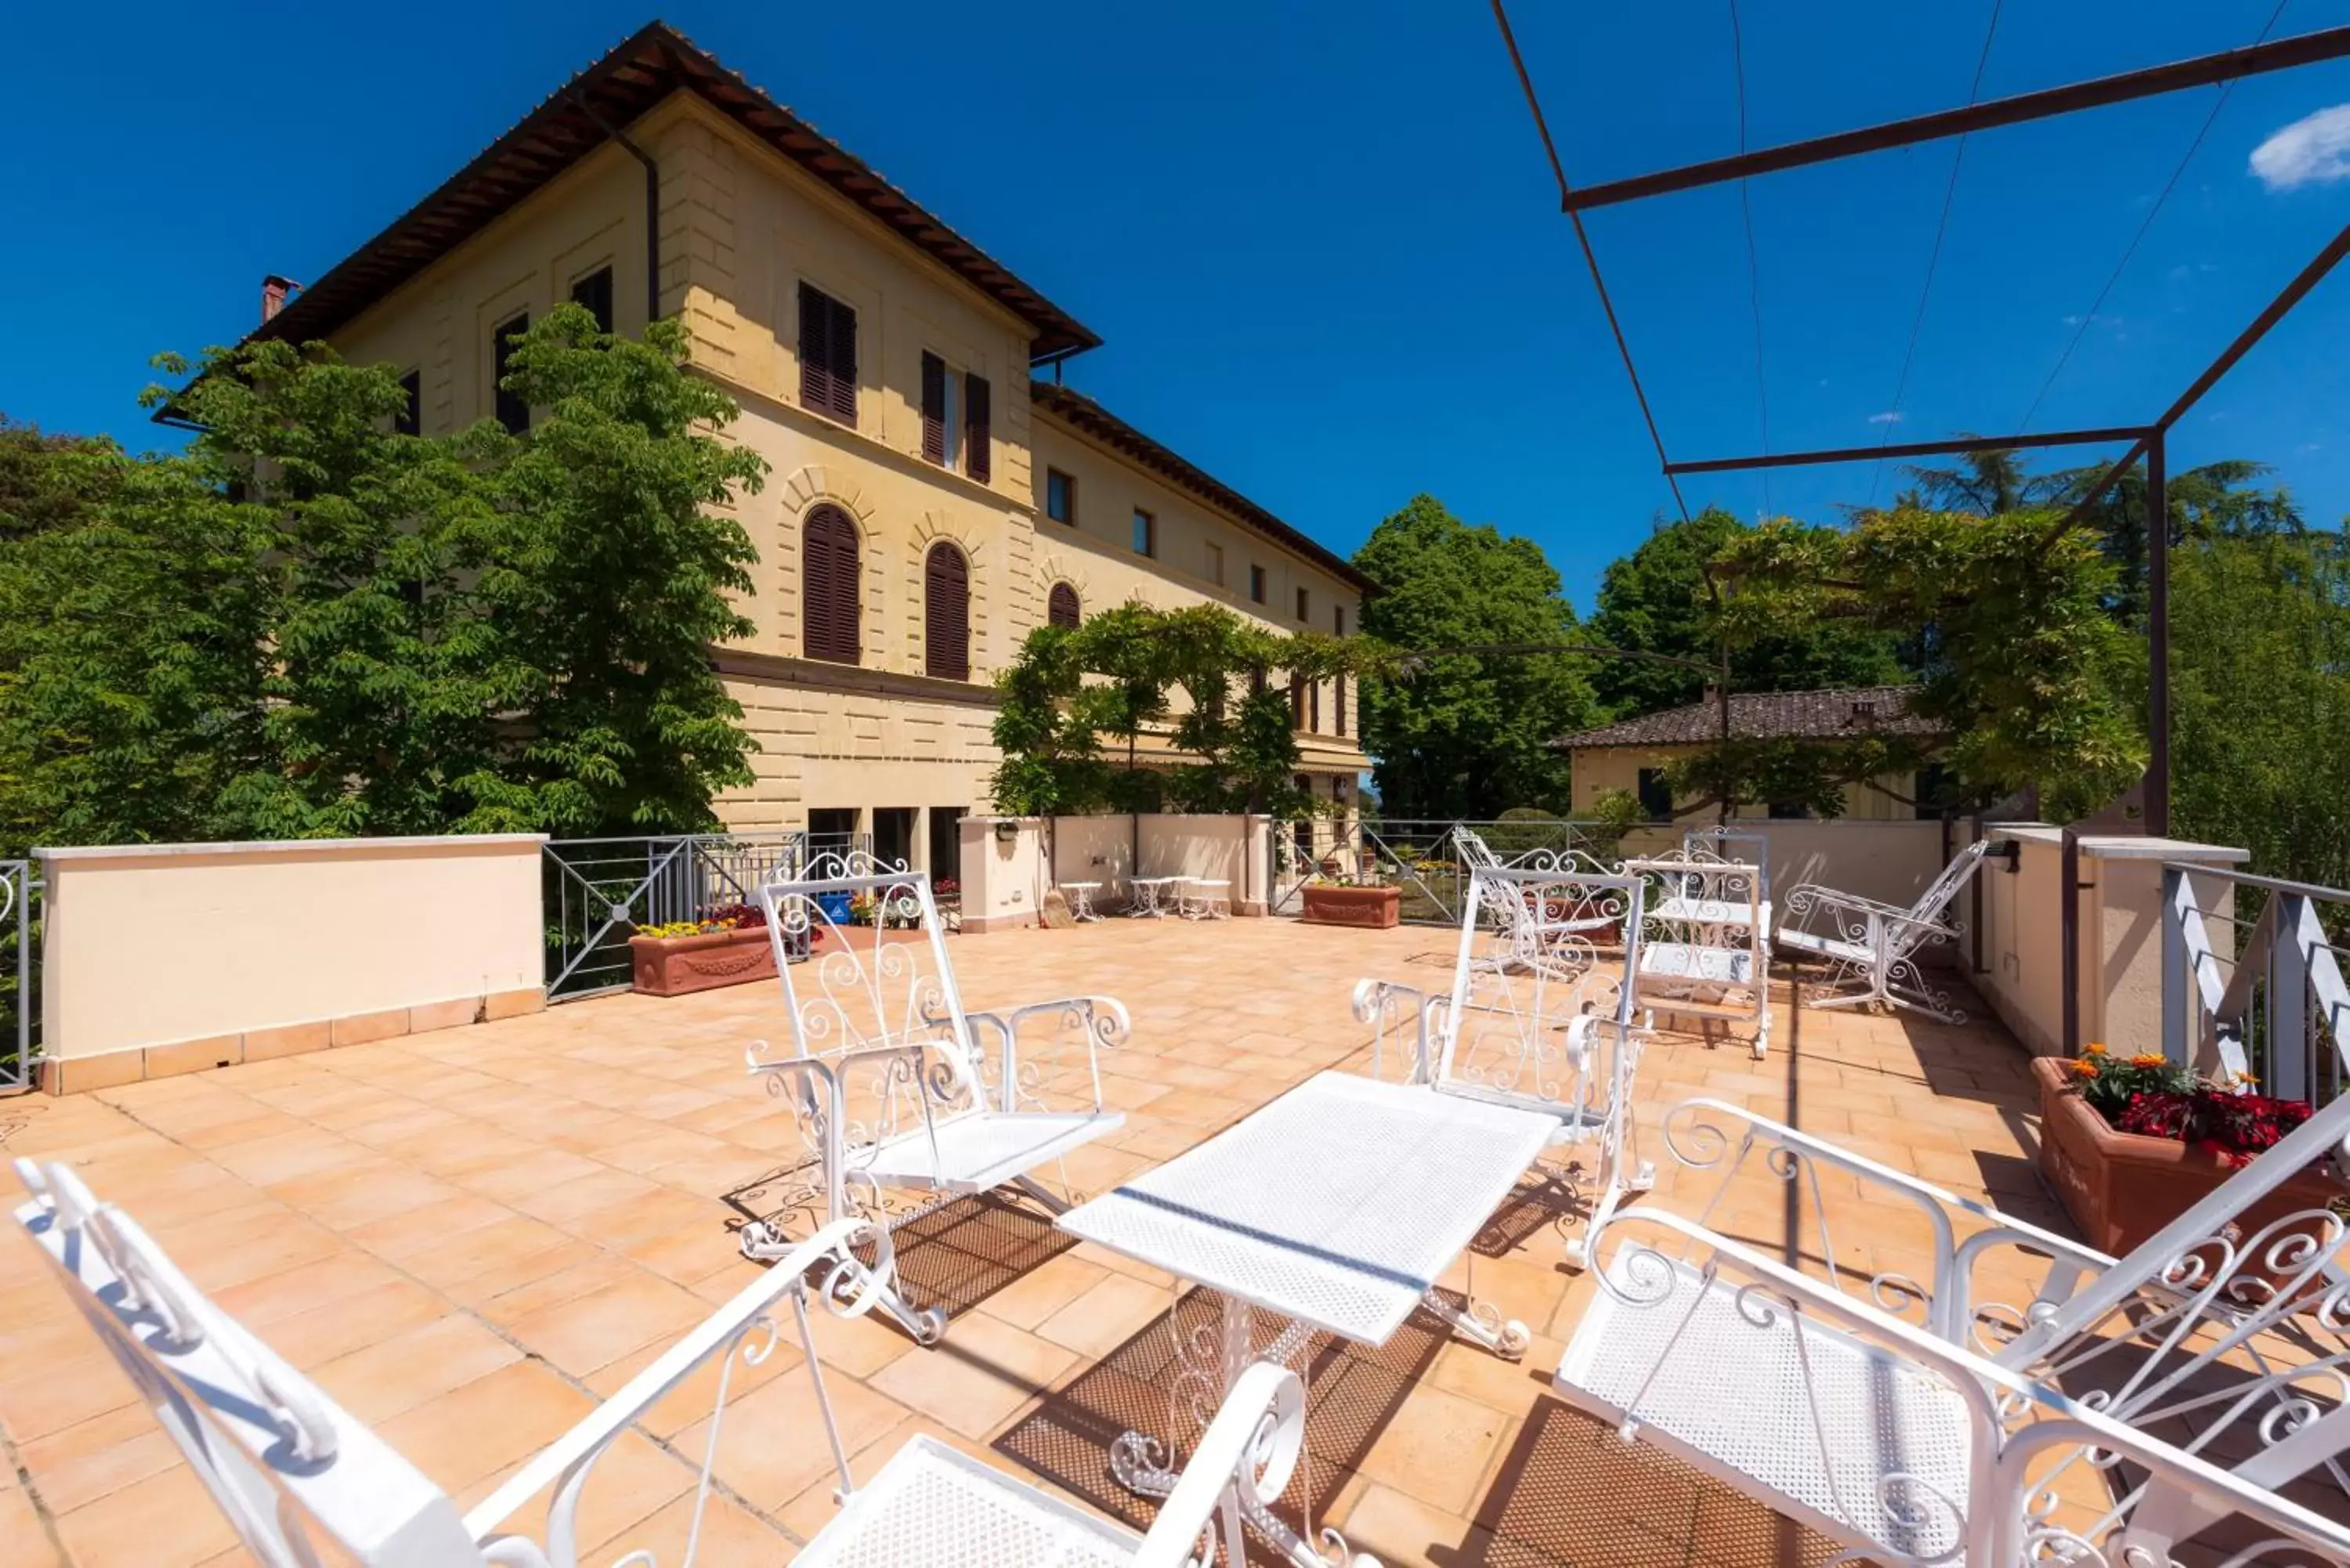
(1353, 1391)
(1547, 1196)
(955, 1256)
(1570, 1493)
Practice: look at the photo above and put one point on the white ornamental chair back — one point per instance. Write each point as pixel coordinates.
(1538, 1017)
(902, 1100)
(2225, 1336)
(1523, 927)
(1871, 948)
(304, 1484)
(1705, 945)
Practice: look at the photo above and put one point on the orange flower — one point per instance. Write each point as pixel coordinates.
(2093, 1049)
(2085, 1069)
(2148, 1059)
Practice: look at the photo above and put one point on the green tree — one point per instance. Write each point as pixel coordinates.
(51, 481)
(1467, 735)
(311, 626)
(2261, 698)
(1656, 600)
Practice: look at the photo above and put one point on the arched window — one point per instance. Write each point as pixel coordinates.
(946, 613)
(1061, 607)
(828, 587)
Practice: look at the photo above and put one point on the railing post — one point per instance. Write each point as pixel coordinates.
(2289, 1044)
(2178, 994)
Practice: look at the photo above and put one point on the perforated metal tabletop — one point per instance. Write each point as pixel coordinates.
(1338, 1204)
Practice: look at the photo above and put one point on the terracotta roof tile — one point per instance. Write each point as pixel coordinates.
(1769, 715)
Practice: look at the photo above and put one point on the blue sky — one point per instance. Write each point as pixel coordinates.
(1322, 243)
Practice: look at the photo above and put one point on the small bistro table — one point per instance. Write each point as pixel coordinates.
(1150, 895)
(1336, 1206)
(1203, 898)
(1081, 900)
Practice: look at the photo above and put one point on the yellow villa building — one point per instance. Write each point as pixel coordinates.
(935, 491)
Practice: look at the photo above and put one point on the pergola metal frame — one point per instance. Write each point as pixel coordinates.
(2148, 441)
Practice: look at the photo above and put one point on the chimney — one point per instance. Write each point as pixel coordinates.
(273, 290)
(1712, 696)
(1864, 714)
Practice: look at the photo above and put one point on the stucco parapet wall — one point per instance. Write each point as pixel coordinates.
(337, 846)
(2123, 845)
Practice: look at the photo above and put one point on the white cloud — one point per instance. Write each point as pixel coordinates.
(2071, 321)
(2310, 151)
(1890, 417)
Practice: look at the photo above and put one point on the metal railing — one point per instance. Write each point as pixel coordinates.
(2251, 979)
(1423, 859)
(598, 891)
(20, 970)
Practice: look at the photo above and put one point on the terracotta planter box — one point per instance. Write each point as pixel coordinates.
(2121, 1187)
(678, 966)
(1375, 908)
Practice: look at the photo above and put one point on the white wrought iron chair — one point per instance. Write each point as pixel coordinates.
(1871, 949)
(1525, 929)
(303, 1483)
(1557, 1036)
(2026, 1400)
(900, 1103)
(1705, 952)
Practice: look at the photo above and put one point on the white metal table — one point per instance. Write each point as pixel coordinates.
(1081, 900)
(1337, 1205)
(1149, 894)
(1203, 898)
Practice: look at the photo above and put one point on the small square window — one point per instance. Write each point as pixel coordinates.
(512, 411)
(1146, 533)
(1060, 497)
(595, 292)
(1301, 605)
(1215, 565)
(410, 420)
(1257, 584)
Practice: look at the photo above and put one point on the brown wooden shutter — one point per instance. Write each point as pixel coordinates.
(980, 462)
(512, 411)
(844, 363)
(1313, 706)
(827, 354)
(1297, 702)
(1061, 607)
(934, 408)
(828, 584)
(1338, 700)
(946, 613)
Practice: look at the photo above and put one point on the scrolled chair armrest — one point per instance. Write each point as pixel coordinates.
(1241, 1464)
(1808, 895)
(843, 1282)
(1103, 1021)
(1696, 1139)
(1375, 1000)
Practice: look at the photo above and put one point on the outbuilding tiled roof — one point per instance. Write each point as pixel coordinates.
(1769, 716)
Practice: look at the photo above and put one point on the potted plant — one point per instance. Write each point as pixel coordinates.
(727, 946)
(2130, 1143)
(1334, 901)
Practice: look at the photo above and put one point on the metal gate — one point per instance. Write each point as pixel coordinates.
(598, 891)
(20, 968)
(1422, 860)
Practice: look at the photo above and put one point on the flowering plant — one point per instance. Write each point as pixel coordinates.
(2149, 1096)
(722, 917)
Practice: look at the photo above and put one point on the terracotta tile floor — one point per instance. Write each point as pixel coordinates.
(468, 1237)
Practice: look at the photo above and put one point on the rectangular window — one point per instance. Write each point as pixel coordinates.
(1257, 584)
(1214, 565)
(1301, 605)
(1297, 702)
(1656, 795)
(595, 292)
(1313, 706)
(1338, 704)
(956, 419)
(512, 412)
(410, 420)
(1060, 497)
(1936, 790)
(1339, 619)
(1146, 533)
(828, 355)
(1789, 811)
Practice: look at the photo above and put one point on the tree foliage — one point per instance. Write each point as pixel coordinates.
(1658, 601)
(310, 625)
(2023, 662)
(1467, 735)
(2261, 699)
(1201, 677)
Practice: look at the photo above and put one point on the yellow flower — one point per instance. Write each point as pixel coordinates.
(2148, 1059)
(2093, 1049)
